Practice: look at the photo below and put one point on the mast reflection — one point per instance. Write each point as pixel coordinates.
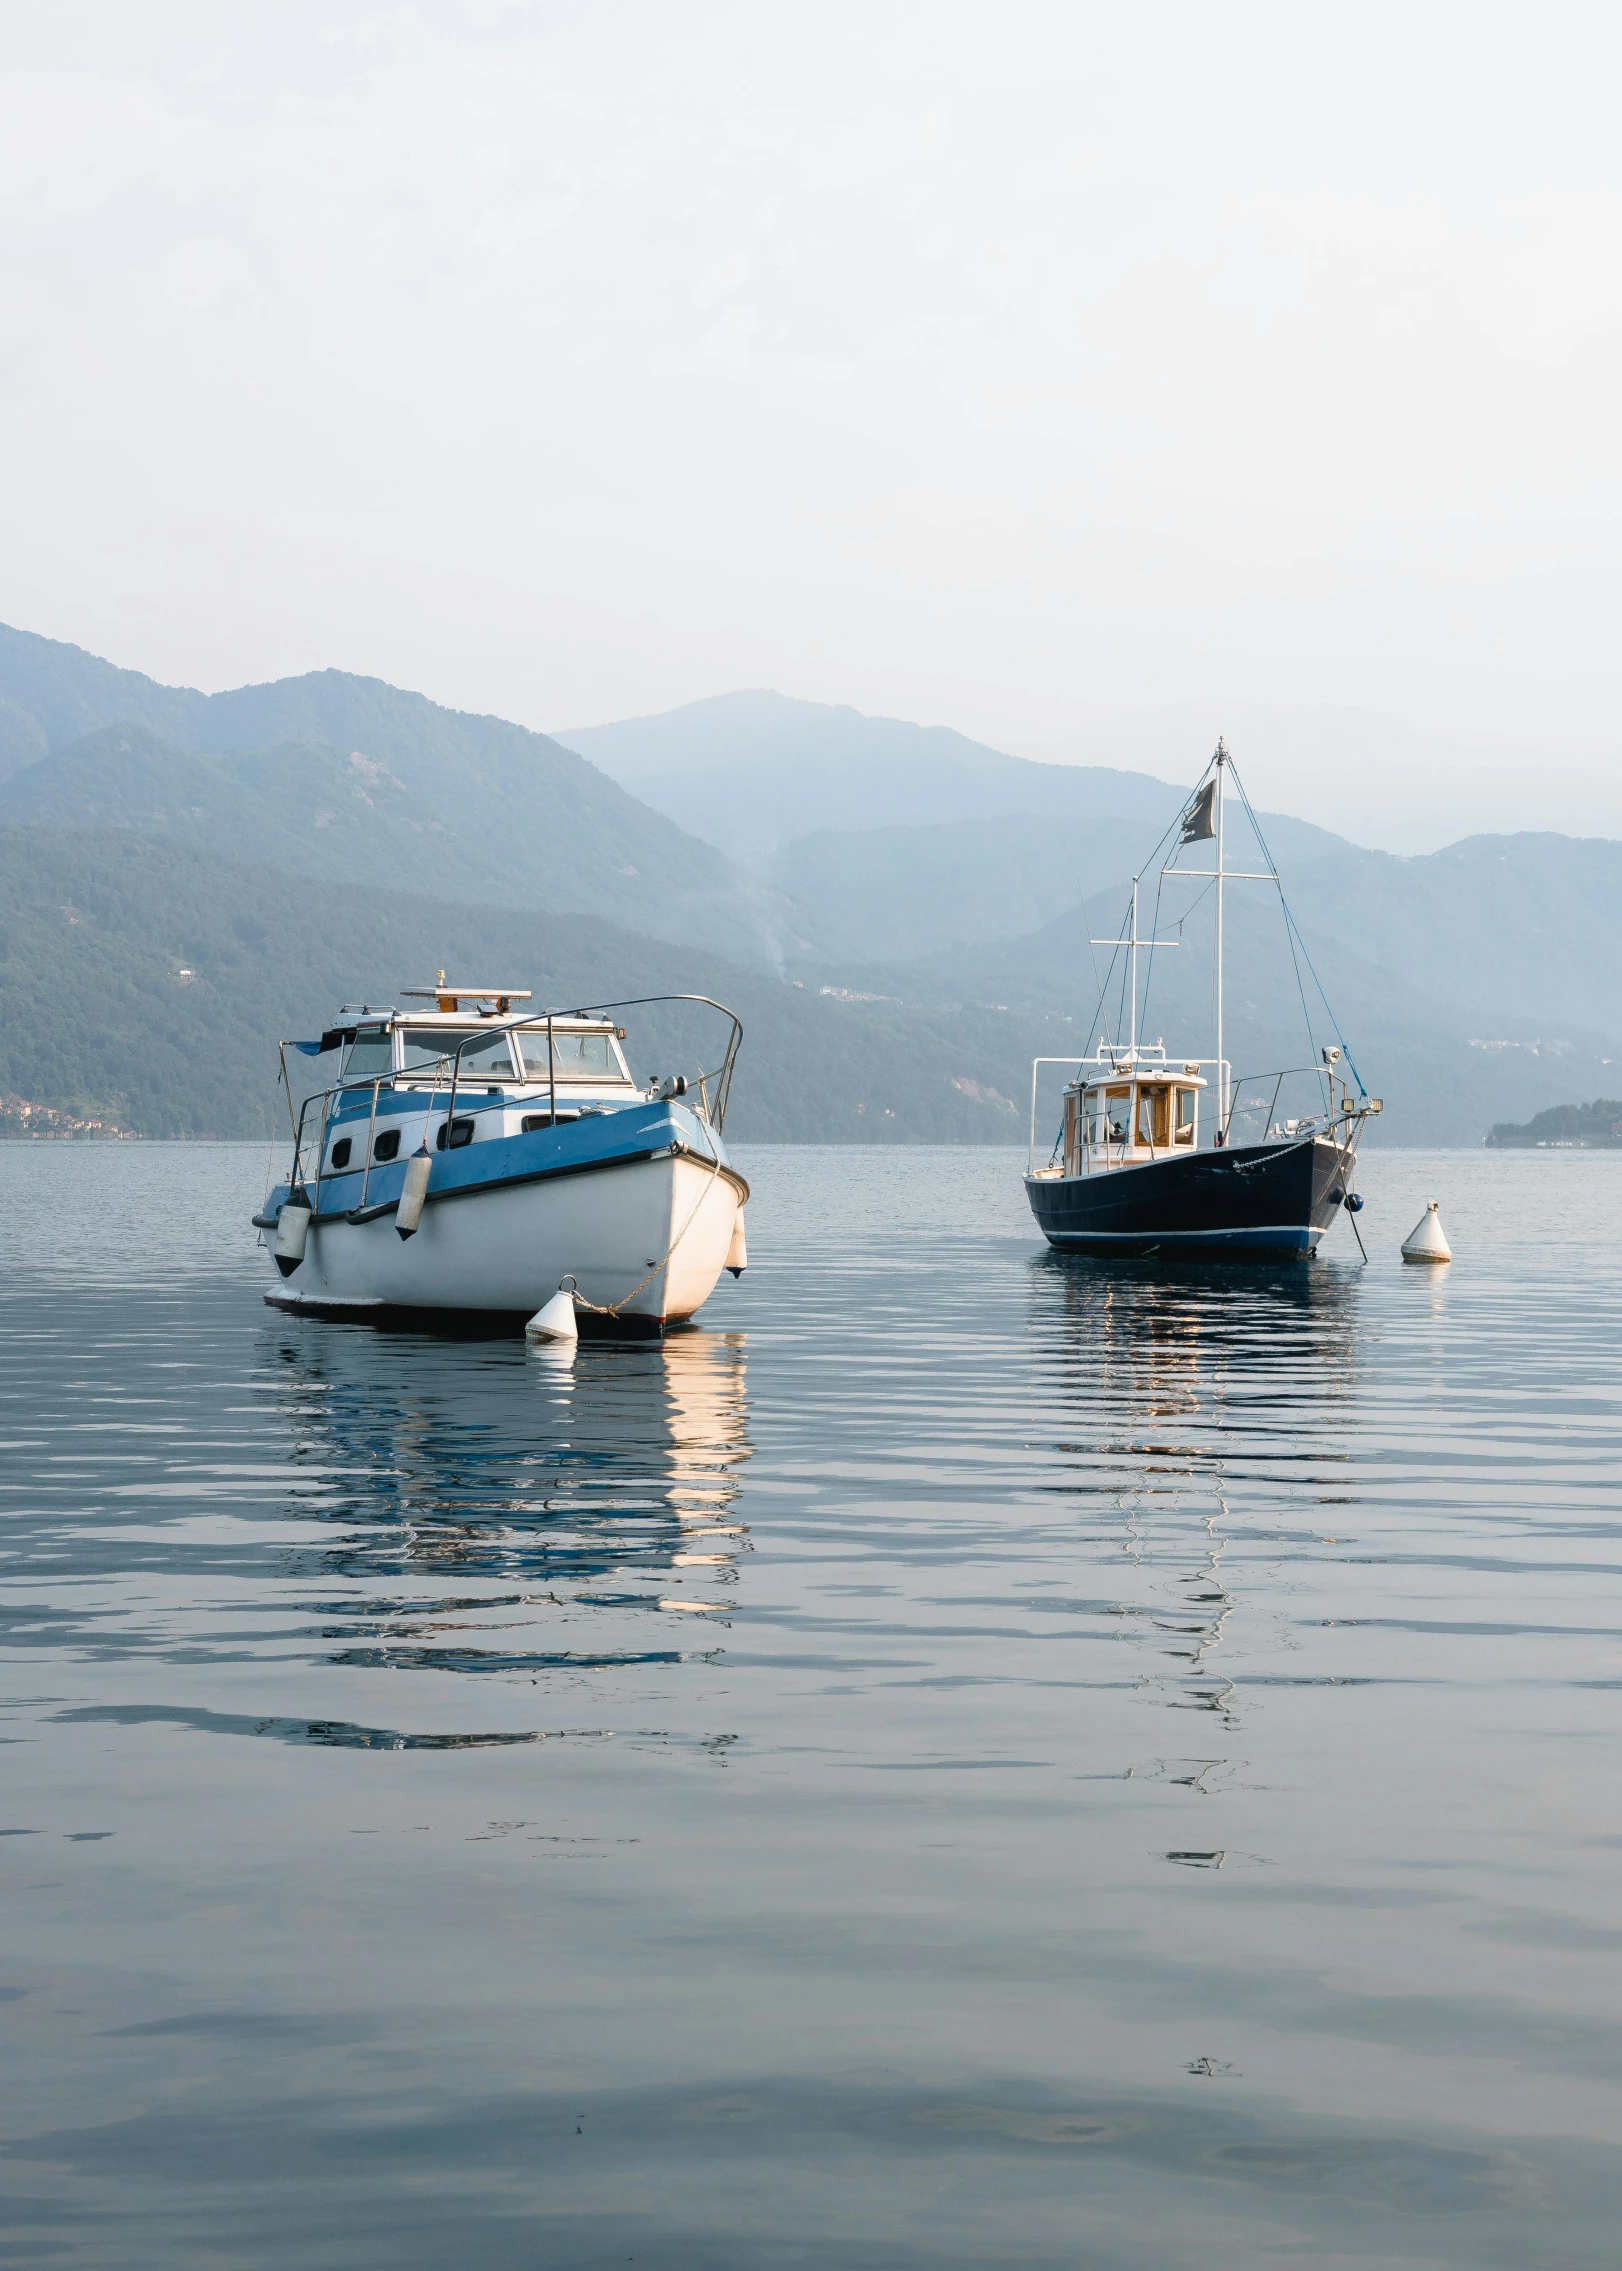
(1202, 1426)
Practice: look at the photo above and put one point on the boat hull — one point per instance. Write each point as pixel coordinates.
(1262, 1200)
(644, 1239)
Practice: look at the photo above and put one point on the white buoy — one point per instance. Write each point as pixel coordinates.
(1425, 1242)
(292, 1232)
(556, 1322)
(737, 1260)
(408, 1214)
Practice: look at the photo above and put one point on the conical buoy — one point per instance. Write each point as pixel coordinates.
(1425, 1242)
(555, 1322)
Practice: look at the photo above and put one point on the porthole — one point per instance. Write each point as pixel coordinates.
(453, 1134)
(340, 1154)
(386, 1146)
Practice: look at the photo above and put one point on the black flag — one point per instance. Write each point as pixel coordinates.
(1198, 820)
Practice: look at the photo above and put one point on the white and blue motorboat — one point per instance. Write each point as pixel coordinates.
(470, 1157)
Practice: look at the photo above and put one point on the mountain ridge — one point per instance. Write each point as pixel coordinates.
(528, 816)
(1463, 978)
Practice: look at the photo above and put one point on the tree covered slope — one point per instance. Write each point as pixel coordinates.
(150, 981)
(1583, 1127)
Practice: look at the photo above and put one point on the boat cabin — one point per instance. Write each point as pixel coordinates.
(493, 1076)
(422, 1049)
(478, 1066)
(1129, 1116)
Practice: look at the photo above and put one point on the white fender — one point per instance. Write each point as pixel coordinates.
(408, 1214)
(737, 1260)
(292, 1232)
(1425, 1242)
(556, 1322)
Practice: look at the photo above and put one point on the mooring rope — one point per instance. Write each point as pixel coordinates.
(617, 1308)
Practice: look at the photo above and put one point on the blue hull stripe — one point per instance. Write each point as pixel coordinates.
(624, 1137)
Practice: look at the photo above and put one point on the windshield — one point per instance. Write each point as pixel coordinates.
(369, 1054)
(485, 1056)
(576, 1056)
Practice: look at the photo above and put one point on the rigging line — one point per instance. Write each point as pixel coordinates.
(1173, 824)
(1289, 917)
(1181, 816)
(1292, 931)
(1289, 924)
(1284, 905)
(1154, 933)
(1207, 769)
(1324, 998)
(1125, 968)
(1103, 984)
(1102, 1003)
(1100, 993)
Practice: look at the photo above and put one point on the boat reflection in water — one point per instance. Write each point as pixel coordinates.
(498, 1516)
(1205, 1410)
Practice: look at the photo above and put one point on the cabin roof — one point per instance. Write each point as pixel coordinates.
(563, 1021)
(1146, 1076)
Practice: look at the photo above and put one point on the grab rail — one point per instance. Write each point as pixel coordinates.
(713, 1107)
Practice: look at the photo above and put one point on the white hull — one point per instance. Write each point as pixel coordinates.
(647, 1238)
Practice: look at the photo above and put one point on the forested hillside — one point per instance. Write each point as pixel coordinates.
(149, 983)
(1582, 1127)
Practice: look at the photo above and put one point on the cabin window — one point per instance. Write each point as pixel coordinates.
(1117, 1114)
(532, 1121)
(1154, 1117)
(387, 1146)
(453, 1134)
(340, 1154)
(575, 1056)
(1186, 1107)
(420, 1052)
(486, 1056)
(369, 1055)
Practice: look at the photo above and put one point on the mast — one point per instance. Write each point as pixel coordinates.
(1133, 943)
(1222, 1067)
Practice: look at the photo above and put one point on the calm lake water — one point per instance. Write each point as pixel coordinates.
(968, 1759)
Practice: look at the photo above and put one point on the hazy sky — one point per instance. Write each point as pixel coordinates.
(1093, 378)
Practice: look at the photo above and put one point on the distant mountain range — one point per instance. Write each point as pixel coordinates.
(332, 775)
(755, 770)
(907, 912)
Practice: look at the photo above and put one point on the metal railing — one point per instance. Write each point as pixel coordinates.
(713, 1107)
(1116, 1064)
(1343, 1112)
(1342, 1116)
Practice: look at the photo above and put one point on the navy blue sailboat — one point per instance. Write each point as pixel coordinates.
(1129, 1173)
